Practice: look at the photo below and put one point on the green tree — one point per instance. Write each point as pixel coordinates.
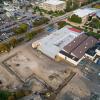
(96, 35)
(42, 20)
(4, 95)
(75, 18)
(95, 23)
(21, 29)
(30, 35)
(89, 18)
(13, 42)
(61, 24)
(50, 12)
(4, 47)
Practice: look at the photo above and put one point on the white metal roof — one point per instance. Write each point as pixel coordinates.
(84, 12)
(54, 2)
(53, 43)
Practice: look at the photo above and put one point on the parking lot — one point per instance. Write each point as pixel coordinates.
(6, 29)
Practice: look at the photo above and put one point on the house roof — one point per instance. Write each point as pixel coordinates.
(75, 43)
(81, 49)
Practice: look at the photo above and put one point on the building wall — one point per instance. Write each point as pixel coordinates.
(98, 52)
(75, 63)
(90, 57)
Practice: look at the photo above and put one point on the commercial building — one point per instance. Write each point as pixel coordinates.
(53, 5)
(85, 12)
(53, 43)
(67, 44)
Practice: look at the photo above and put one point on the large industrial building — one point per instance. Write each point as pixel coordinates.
(53, 43)
(68, 44)
(53, 5)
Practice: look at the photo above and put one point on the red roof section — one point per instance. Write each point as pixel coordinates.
(75, 30)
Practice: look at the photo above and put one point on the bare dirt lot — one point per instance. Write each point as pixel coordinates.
(8, 80)
(76, 89)
(22, 64)
(79, 88)
(26, 61)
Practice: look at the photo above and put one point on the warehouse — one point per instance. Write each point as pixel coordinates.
(53, 43)
(69, 44)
